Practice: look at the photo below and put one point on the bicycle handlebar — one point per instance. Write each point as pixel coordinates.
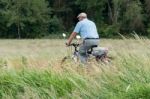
(74, 44)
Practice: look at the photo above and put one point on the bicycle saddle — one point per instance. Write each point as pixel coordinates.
(91, 49)
(93, 46)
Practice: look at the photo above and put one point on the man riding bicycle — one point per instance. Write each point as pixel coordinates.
(89, 35)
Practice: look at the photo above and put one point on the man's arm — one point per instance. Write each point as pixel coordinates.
(73, 34)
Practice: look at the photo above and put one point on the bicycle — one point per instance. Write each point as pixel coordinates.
(100, 53)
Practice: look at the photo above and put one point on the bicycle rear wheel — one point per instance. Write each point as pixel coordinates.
(102, 58)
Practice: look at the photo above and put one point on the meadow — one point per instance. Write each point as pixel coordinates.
(32, 69)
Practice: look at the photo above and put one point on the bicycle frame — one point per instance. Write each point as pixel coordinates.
(76, 52)
(100, 55)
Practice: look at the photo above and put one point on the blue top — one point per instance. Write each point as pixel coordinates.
(87, 29)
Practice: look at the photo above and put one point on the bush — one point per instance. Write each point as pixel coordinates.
(109, 31)
(55, 25)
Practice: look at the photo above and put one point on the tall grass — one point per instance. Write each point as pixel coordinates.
(36, 84)
(36, 72)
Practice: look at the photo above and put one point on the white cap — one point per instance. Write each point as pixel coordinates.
(82, 15)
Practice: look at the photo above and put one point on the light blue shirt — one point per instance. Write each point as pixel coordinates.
(87, 29)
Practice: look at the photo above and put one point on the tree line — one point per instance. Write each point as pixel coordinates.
(41, 18)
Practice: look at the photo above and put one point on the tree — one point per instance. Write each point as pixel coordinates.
(133, 17)
(38, 18)
(26, 13)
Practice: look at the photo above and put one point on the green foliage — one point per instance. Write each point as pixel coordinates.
(55, 24)
(40, 18)
(3, 63)
(109, 31)
(139, 91)
(130, 82)
(133, 17)
(44, 84)
(27, 18)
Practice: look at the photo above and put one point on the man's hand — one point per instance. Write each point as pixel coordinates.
(71, 38)
(67, 44)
